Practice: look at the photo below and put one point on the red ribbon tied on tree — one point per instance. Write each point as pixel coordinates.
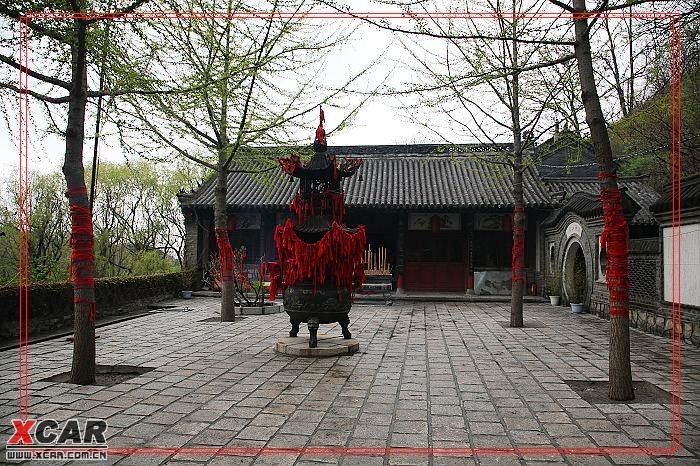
(517, 262)
(226, 255)
(82, 241)
(614, 240)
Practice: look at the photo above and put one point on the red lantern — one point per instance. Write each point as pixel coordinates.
(435, 223)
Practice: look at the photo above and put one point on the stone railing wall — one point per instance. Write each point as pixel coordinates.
(51, 304)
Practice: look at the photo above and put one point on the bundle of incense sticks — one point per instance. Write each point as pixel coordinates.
(377, 261)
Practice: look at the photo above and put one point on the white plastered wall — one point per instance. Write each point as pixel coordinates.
(689, 264)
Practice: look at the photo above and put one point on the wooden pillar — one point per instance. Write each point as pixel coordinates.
(470, 254)
(401, 252)
(261, 236)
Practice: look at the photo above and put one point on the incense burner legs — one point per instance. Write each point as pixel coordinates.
(344, 327)
(295, 329)
(326, 306)
(313, 331)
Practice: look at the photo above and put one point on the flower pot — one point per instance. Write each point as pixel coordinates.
(577, 308)
(186, 294)
(554, 300)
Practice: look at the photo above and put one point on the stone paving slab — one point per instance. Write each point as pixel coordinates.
(428, 375)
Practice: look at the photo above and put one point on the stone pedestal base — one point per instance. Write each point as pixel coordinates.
(327, 346)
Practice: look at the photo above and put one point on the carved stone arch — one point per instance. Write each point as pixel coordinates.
(571, 238)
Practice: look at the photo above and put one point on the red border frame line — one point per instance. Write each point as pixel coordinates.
(374, 451)
(23, 223)
(676, 234)
(96, 15)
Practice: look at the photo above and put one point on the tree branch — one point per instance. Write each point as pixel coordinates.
(34, 74)
(441, 35)
(42, 97)
(563, 6)
(16, 14)
(120, 12)
(249, 95)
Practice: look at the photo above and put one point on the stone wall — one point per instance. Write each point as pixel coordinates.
(644, 269)
(51, 304)
(659, 322)
(192, 239)
(648, 311)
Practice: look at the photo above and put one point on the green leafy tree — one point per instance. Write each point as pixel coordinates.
(487, 80)
(643, 135)
(63, 50)
(137, 216)
(138, 223)
(49, 228)
(251, 83)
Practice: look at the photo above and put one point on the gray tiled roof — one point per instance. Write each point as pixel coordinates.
(589, 205)
(567, 154)
(408, 181)
(689, 195)
(639, 192)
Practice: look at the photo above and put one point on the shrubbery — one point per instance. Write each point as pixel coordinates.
(51, 304)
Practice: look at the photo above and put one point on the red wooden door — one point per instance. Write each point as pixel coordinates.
(435, 261)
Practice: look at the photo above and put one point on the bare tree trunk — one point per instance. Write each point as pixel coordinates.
(518, 247)
(82, 238)
(228, 289)
(616, 69)
(518, 253)
(615, 230)
(630, 93)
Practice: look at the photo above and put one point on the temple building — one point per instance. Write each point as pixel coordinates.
(439, 216)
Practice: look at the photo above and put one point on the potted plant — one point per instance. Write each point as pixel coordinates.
(578, 294)
(250, 296)
(212, 274)
(553, 287)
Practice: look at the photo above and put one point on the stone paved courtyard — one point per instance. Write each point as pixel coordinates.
(427, 375)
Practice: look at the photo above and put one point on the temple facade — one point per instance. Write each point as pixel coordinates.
(438, 218)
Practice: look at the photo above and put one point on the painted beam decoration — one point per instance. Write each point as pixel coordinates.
(494, 222)
(431, 221)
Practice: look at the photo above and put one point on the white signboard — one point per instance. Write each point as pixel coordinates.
(493, 282)
(689, 267)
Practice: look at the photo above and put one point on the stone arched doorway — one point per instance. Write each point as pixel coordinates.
(574, 270)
